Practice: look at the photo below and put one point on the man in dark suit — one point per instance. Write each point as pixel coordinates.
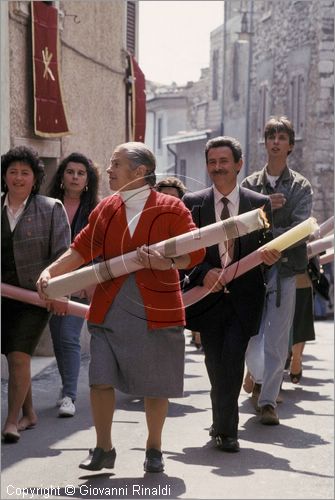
(229, 315)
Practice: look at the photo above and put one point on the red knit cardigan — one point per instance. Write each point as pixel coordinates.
(107, 235)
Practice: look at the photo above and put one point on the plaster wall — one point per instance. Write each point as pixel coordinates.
(92, 67)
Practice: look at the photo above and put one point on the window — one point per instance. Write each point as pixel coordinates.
(215, 74)
(297, 103)
(131, 27)
(263, 109)
(159, 133)
(235, 65)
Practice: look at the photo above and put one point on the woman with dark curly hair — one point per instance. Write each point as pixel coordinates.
(76, 185)
(34, 232)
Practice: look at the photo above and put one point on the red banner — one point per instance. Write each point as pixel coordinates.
(49, 114)
(138, 101)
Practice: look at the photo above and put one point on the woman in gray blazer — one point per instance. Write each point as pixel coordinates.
(34, 232)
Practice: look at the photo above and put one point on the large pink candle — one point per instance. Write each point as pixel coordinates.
(30, 297)
(254, 259)
(318, 246)
(212, 234)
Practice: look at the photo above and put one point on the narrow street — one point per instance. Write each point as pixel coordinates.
(292, 460)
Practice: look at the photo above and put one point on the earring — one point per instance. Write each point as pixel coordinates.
(61, 185)
(86, 187)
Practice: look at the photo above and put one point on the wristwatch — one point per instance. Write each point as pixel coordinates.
(173, 264)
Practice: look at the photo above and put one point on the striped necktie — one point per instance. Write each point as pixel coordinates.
(225, 215)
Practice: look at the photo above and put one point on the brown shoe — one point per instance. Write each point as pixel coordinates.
(269, 415)
(255, 395)
(280, 398)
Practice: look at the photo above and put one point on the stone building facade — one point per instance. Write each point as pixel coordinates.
(267, 58)
(175, 115)
(166, 113)
(291, 57)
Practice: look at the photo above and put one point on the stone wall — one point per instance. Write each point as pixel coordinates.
(298, 35)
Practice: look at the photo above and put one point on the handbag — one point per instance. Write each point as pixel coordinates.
(319, 280)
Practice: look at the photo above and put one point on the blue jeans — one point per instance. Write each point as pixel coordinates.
(267, 352)
(320, 306)
(65, 333)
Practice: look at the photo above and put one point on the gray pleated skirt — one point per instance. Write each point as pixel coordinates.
(132, 358)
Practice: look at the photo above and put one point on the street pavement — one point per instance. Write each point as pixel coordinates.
(293, 460)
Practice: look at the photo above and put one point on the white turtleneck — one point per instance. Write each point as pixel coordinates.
(134, 200)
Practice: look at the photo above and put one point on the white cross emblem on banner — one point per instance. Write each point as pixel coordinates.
(47, 59)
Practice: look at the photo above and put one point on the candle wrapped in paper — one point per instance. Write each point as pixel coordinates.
(318, 246)
(282, 242)
(224, 230)
(325, 228)
(30, 297)
(327, 257)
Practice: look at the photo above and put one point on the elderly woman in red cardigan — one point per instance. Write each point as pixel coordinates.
(136, 321)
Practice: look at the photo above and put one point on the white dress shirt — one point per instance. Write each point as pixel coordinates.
(233, 206)
(13, 217)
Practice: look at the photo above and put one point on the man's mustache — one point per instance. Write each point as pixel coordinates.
(220, 172)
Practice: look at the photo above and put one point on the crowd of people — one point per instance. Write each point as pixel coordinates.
(255, 325)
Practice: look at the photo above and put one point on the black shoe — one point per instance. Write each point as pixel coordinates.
(288, 361)
(153, 461)
(229, 444)
(10, 437)
(212, 432)
(100, 459)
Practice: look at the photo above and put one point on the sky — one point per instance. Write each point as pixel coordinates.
(174, 38)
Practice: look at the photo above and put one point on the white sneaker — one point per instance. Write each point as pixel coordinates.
(60, 398)
(67, 408)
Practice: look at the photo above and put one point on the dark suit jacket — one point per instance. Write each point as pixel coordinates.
(247, 292)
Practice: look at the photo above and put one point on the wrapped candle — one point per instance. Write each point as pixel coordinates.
(318, 246)
(254, 259)
(212, 234)
(324, 228)
(292, 236)
(30, 297)
(327, 257)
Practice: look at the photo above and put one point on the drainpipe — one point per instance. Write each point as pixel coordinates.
(247, 121)
(153, 130)
(175, 158)
(224, 65)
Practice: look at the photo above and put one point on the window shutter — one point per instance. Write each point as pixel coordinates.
(263, 109)
(235, 65)
(131, 27)
(298, 103)
(301, 101)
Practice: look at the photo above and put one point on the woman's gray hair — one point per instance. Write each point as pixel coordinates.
(139, 154)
